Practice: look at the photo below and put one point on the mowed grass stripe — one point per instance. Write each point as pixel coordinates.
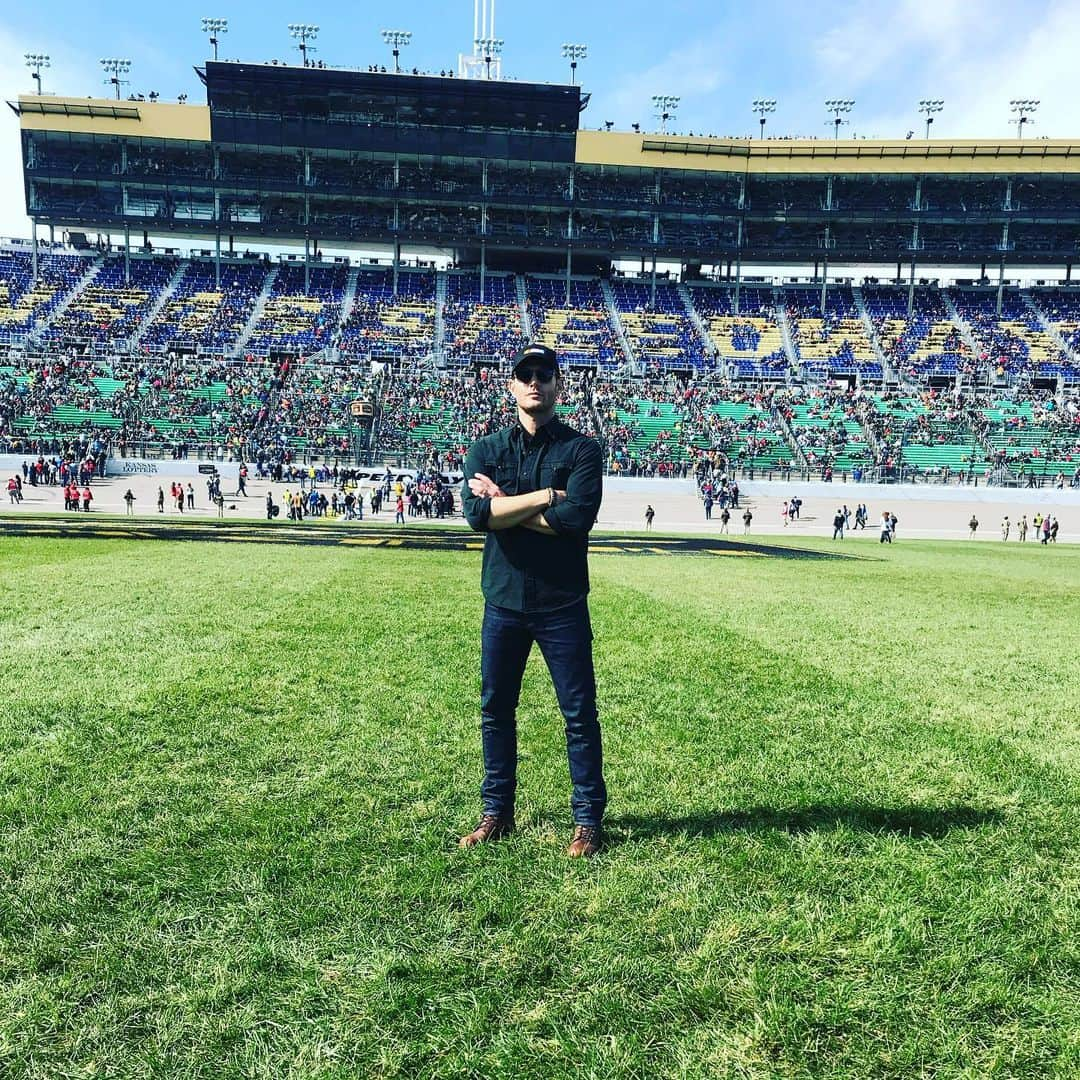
(233, 854)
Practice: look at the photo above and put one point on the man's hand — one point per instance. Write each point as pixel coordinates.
(483, 487)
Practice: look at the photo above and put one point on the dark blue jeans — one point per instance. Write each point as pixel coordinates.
(565, 640)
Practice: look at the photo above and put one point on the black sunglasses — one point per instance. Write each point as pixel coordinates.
(541, 374)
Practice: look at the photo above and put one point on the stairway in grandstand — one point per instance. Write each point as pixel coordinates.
(695, 318)
(891, 376)
(351, 284)
(960, 323)
(440, 313)
(616, 322)
(523, 303)
(91, 272)
(786, 338)
(256, 312)
(163, 298)
(1051, 328)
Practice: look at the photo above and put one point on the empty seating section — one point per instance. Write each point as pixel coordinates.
(580, 332)
(926, 343)
(311, 413)
(1062, 309)
(202, 315)
(1033, 438)
(301, 317)
(108, 309)
(829, 432)
(750, 342)
(384, 324)
(833, 340)
(927, 434)
(658, 329)
(655, 428)
(491, 328)
(24, 303)
(1012, 343)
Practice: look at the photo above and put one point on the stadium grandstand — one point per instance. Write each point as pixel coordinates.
(467, 216)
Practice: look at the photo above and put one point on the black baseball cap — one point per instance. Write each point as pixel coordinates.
(536, 355)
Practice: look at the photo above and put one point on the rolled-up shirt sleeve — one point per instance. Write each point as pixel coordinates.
(476, 508)
(576, 515)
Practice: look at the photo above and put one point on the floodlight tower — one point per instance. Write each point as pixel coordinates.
(929, 106)
(37, 61)
(489, 48)
(114, 68)
(839, 106)
(397, 40)
(763, 106)
(215, 28)
(574, 53)
(1023, 107)
(304, 32)
(665, 106)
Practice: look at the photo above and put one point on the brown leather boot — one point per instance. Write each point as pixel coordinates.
(491, 827)
(586, 842)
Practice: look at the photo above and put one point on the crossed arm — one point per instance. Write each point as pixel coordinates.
(510, 510)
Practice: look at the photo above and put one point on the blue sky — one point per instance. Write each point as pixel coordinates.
(975, 55)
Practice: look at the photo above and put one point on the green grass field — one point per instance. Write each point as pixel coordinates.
(844, 826)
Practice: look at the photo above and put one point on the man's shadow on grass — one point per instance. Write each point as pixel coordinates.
(917, 822)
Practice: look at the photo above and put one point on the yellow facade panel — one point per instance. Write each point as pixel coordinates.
(859, 157)
(104, 116)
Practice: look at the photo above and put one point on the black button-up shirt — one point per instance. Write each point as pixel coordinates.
(525, 570)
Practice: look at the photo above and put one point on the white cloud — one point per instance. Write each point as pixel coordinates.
(691, 72)
(975, 56)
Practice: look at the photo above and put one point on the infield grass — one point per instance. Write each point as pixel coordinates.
(844, 836)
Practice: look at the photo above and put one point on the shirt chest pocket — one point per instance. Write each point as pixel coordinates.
(555, 475)
(504, 473)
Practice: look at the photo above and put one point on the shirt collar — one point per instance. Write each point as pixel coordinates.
(545, 433)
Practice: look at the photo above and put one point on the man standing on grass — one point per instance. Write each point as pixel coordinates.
(535, 489)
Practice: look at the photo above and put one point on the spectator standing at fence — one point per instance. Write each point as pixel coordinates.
(535, 490)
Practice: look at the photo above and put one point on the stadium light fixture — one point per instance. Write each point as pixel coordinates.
(490, 47)
(115, 68)
(763, 106)
(397, 40)
(215, 27)
(574, 53)
(37, 61)
(929, 106)
(839, 106)
(304, 32)
(665, 106)
(1023, 107)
